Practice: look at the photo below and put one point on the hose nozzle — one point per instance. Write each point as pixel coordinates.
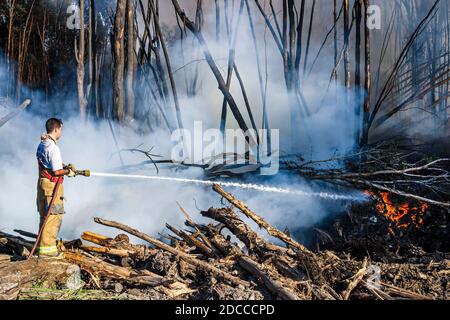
(84, 173)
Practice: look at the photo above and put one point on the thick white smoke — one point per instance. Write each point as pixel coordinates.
(147, 205)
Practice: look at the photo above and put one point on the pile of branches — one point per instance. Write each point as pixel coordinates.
(203, 262)
(384, 168)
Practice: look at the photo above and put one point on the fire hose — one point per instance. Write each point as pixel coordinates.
(85, 173)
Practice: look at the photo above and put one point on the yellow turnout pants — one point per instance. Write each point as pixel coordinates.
(47, 245)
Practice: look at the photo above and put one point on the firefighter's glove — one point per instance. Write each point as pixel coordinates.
(71, 167)
(71, 173)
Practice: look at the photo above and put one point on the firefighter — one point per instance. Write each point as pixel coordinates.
(51, 174)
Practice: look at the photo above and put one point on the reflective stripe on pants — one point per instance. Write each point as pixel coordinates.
(48, 250)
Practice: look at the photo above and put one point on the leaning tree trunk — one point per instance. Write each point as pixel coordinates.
(213, 66)
(119, 62)
(168, 65)
(232, 40)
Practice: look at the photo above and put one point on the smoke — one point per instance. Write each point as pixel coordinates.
(148, 205)
(328, 107)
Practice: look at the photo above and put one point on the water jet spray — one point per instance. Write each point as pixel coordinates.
(249, 186)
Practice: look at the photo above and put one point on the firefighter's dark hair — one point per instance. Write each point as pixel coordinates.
(53, 124)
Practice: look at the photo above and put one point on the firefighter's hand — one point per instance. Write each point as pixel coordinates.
(71, 167)
(71, 173)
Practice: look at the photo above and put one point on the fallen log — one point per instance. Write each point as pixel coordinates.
(16, 276)
(104, 250)
(19, 245)
(259, 221)
(98, 266)
(72, 244)
(355, 280)
(378, 293)
(403, 292)
(190, 223)
(95, 238)
(193, 241)
(308, 259)
(4, 258)
(242, 231)
(26, 234)
(181, 255)
(286, 269)
(225, 247)
(275, 287)
(120, 244)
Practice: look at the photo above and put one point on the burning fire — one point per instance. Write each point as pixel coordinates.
(401, 214)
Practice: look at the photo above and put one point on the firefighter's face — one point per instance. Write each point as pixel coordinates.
(58, 133)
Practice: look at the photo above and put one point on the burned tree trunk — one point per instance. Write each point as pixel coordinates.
(119, 62)
(22, 51)
(168, 64)
(358, 18)
(214, 68)
(131, 44)
(259, 221)
(10, 44)
(232, 39)
(92, 53)
(367, 75)
(347, 75)
(262, 87)
(335, 40)
(82, 101)
(218, 21)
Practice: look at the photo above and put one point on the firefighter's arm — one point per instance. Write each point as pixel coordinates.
(63, 172)
(66, 171)
(60, 173)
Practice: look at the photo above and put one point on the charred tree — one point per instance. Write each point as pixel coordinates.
(10, 45)
(347, 76)
(92, 54)
(367, 77)
(218, 20)
(358, 19)
(168, 65)
(131, 53)
(80, 57)
(119, 62)
(214, 68)
(232, 39)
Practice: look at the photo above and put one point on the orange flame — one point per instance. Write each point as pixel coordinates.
(402, 215)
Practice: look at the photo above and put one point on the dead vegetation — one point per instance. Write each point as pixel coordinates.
(204, 261)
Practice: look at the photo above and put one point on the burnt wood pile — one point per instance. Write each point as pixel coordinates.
(225, 259)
